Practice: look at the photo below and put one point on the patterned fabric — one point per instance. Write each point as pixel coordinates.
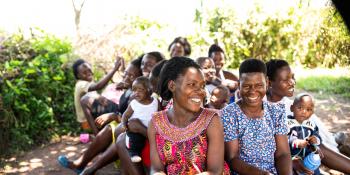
(255, 135)
(301, 131)
(183, 150)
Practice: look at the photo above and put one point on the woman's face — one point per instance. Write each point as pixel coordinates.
(177, 50)
(189, 90)
(284, 82)
(208, 69)
(147, 64)
(219, 60)
(85, 72)
(252, 88)
(130, 74)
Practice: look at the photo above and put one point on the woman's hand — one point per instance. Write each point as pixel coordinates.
(300, 168)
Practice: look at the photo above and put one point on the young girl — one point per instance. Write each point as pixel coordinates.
(109, 133)
(85, 87)
(281, 86)
(185, 139)
(255, 131)
(142, 107)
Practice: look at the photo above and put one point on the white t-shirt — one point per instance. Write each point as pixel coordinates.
(143, 112)
(326, 136)
(82, 88)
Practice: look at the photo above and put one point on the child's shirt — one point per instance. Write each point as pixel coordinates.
(82, 88)
(301, 131)
(327, 137)
(256, 136)
(143, 112)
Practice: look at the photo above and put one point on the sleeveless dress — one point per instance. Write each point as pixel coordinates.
(183, 150)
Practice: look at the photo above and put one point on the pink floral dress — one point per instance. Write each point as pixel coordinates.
(183, 150)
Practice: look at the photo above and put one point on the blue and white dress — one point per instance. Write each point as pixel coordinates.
(256, 136)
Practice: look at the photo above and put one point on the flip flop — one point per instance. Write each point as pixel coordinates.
(63, 161)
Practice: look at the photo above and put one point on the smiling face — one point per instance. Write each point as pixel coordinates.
(85, 72)
(189, 90)
(252, 88)
(147, 64)
(130, 74)
(283, 83)
(177, 50)
(219, 60)
(208, 69)
(303, 109)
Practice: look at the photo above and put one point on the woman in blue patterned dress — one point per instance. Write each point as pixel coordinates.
(255, 130)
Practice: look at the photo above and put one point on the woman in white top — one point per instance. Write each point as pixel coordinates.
(281, 86)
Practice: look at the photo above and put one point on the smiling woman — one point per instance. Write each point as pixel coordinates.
(255, 131)
(195, 132)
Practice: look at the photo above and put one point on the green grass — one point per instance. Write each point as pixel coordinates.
(326, 84)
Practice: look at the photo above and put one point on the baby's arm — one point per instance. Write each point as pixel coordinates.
(127, 114)
(315, 138)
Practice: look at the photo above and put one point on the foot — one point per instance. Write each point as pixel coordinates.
(65, 162)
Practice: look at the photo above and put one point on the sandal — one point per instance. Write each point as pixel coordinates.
(63, 161)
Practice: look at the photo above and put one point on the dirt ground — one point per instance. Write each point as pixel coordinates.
(334, 111)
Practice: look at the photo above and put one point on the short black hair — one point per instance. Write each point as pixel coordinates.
(137, 63)
(273, 65)
(215, 48)
(298, 97)
(157, 55)
(183, 41)
(222, 88)
(171, 71)
(201, 60)
(157, 68)
(75, 66)
(252, 65)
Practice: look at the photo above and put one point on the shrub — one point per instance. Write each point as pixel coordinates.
(37, 91)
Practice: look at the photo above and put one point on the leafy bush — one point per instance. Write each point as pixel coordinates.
(37, 91)
(301, 36)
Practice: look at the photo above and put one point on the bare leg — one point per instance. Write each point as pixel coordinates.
(110, 155)
(100, 143)
(86, 105)
(335, 160)
(128, 167)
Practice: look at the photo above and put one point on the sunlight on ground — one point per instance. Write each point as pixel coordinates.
(18, 165)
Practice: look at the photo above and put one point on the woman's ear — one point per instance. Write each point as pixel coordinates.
(171, 86)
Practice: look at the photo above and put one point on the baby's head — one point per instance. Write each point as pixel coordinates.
(219, 97)
(303, 107)
(142, 89)
(208, 67)
(82, 70)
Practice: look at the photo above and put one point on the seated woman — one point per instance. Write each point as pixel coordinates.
(228, 79)
(255, 131)
(281, 86)
(110, 132)
(185, 139)
(119, 150)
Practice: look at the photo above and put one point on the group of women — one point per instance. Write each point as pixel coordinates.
(246, 137)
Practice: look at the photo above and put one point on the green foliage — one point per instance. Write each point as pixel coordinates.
(324, 43)
(37, 91)
(326, 84)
